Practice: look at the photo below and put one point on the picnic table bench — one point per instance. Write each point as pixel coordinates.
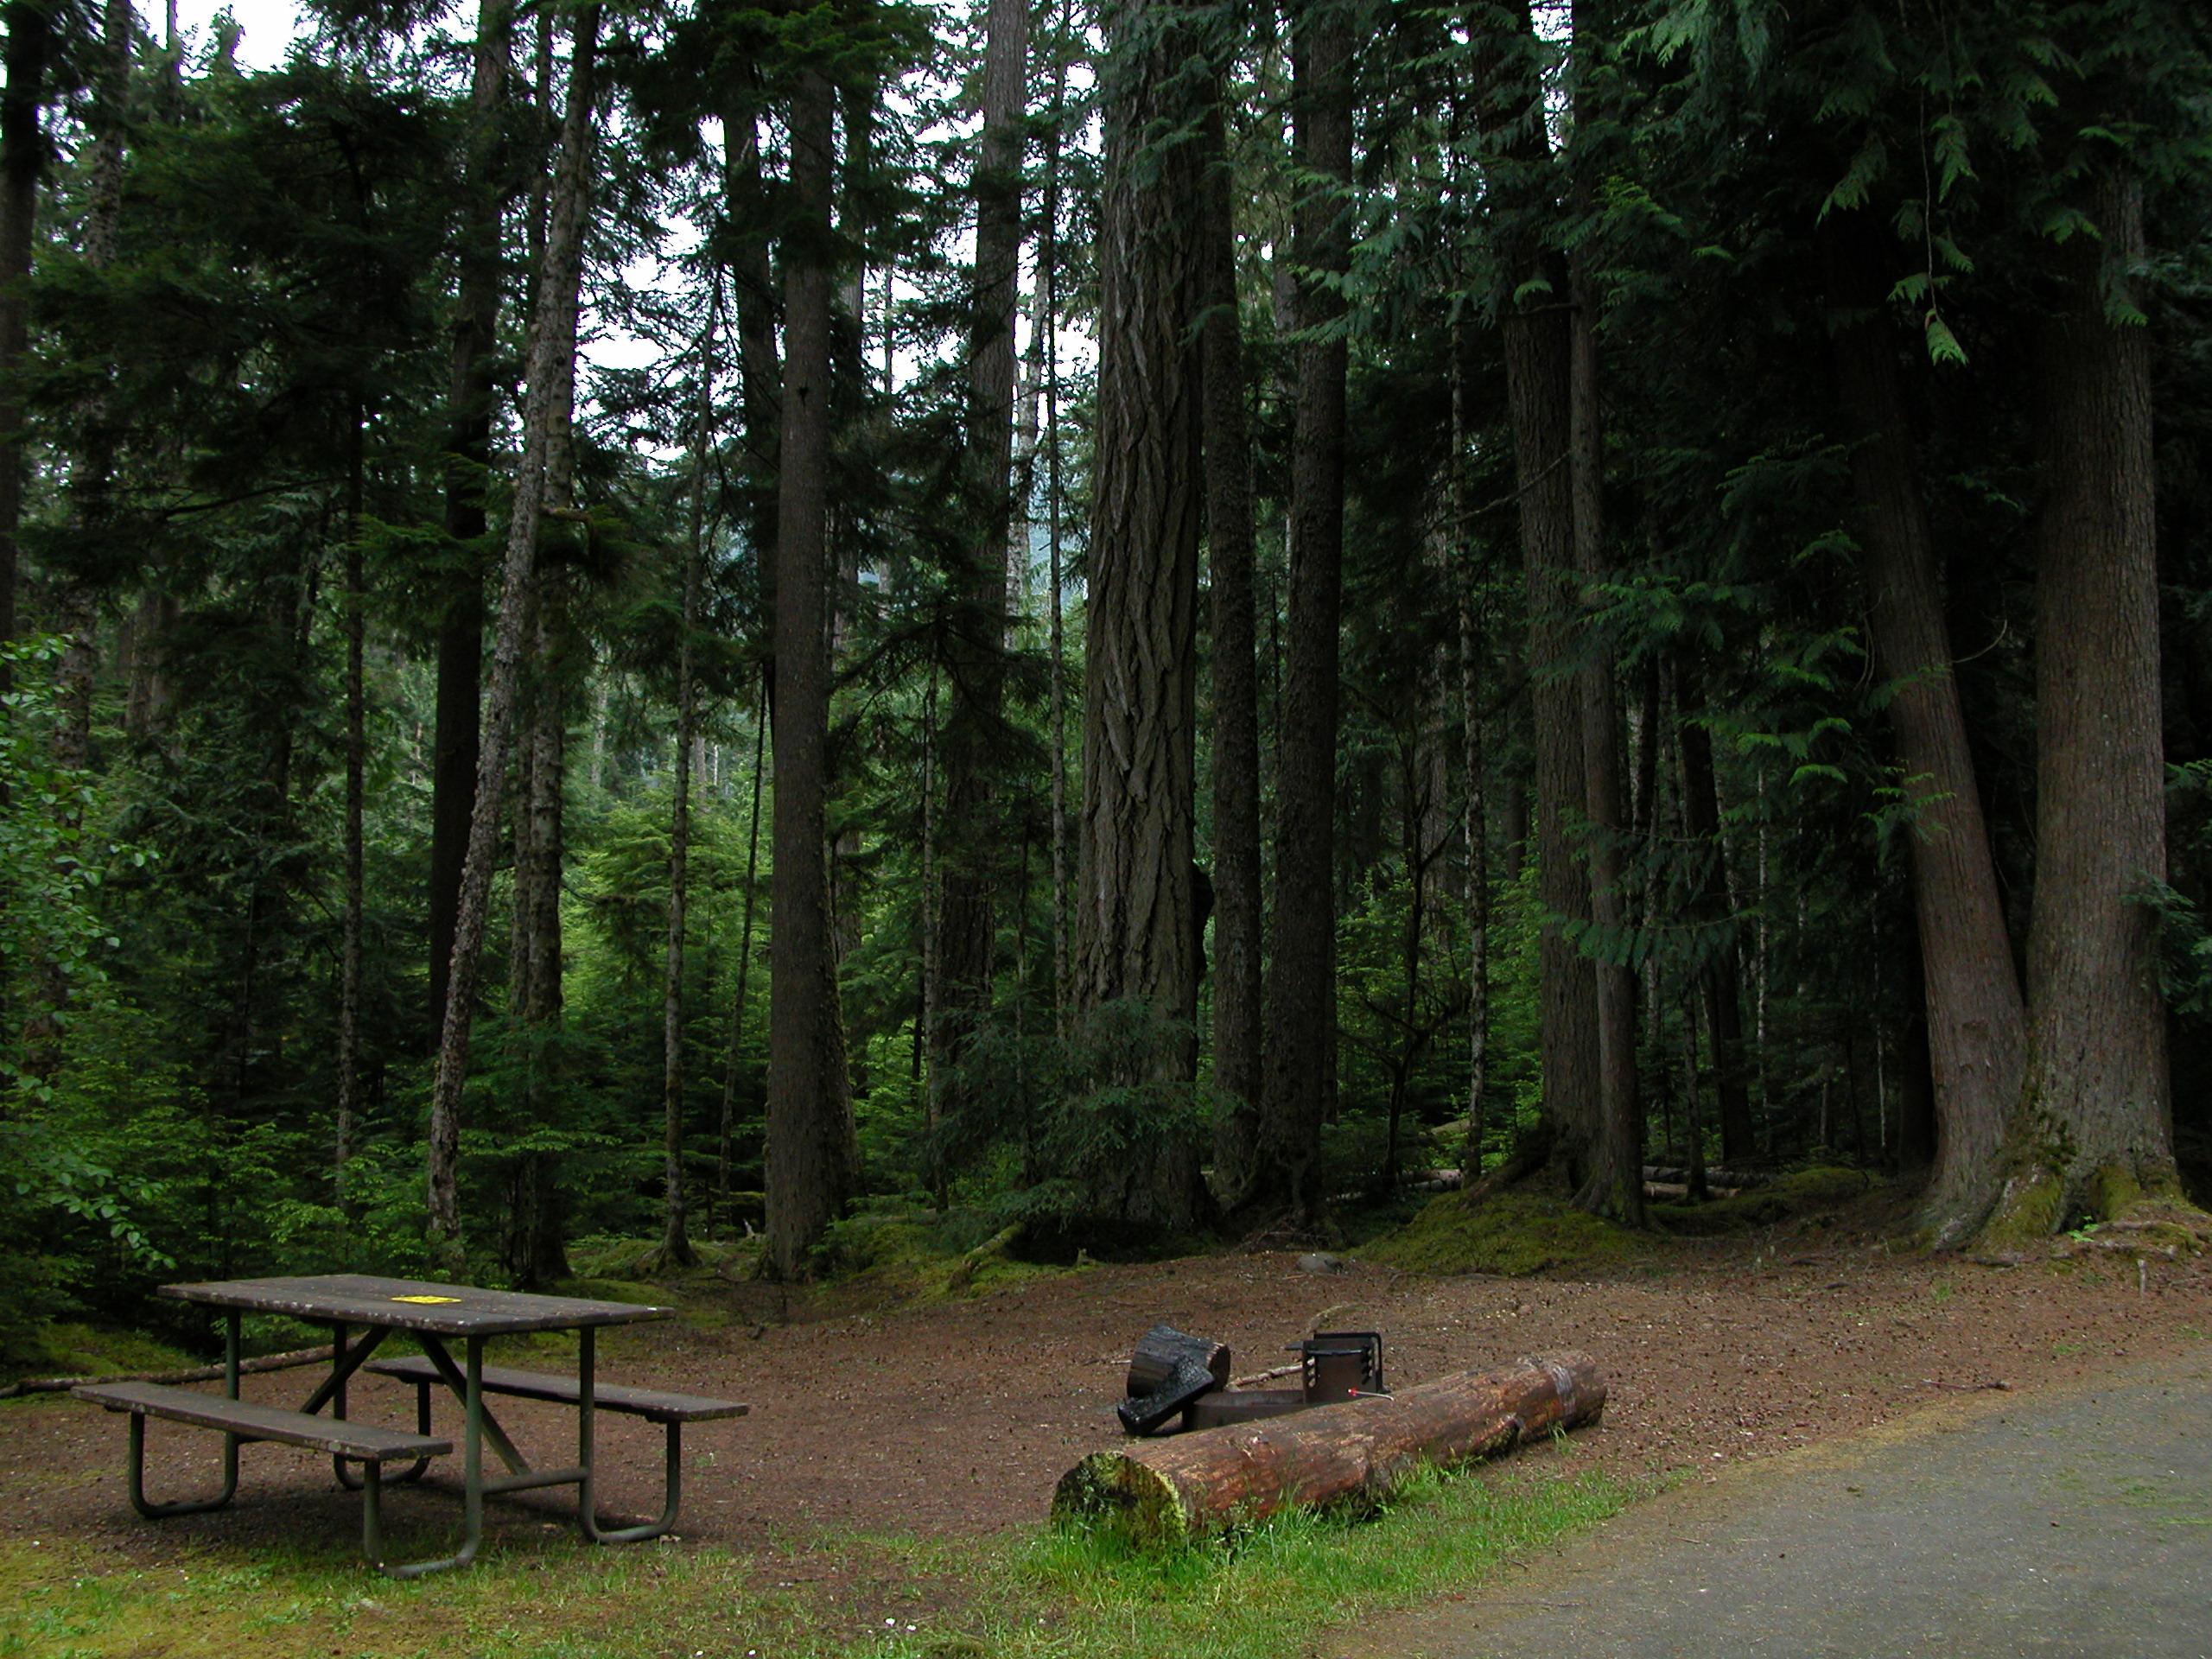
(430, 1312)
(655, 1406)
(243, 1422)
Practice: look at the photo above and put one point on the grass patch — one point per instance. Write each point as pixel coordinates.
(66, 1349)
(1800, 1195)
(1512, 1233)
(912, 1257)
(1062, 1594)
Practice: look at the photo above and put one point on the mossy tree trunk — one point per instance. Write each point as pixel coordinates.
(2093, 1131)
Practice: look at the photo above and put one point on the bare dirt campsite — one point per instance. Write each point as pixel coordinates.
(901, 1454)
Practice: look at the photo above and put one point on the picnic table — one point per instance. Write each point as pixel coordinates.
(432, 1313)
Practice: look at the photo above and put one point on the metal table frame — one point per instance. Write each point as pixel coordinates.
(429, 1313)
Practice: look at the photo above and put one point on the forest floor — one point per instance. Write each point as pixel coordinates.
(947, 1423)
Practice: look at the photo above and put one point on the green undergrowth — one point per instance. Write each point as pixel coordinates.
(68, 1349)
(919, 1257)
(1059, 1594)
(1799, 1196)
(1513, 1233)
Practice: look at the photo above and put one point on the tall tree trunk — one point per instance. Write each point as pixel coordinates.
(1976, 1024)
(1538, 340)
(1048, 257)
(812, 1157)
(676, 1241)
(926, 1062)
(1134, 936)
(1237, 915)
(349, 972)
(760, 375)
(23, 159)
(975, 646)
(1719, 985)
(744, 966)
(92, 512)
(92, 476)
(469, 400)
(554, 332)
(1472, 648)
(539, 1254)
(1615, 1183)
(2095, 1122)
(1300, 1090)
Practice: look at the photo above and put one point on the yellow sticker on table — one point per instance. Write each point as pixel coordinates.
(427, 1301)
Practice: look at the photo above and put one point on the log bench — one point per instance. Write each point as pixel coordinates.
(671, 1410)
(241, 1422)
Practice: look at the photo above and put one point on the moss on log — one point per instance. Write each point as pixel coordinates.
(1168, 1491)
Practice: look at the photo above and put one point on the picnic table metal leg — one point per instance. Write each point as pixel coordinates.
(191, 1506)
(471, 1467)
(587, 1509)
(344, 1362)
(371, 1513)
(435, 1352)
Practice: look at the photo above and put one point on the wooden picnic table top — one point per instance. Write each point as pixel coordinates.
(413, 1304)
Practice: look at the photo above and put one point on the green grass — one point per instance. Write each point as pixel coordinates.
(1513, 1233)
(1795, 1196)
(1060, 1594)
(67, 1349)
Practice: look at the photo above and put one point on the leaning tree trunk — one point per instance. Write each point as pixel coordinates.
(1301, 1011)
(469, 400)
(1238, 904)
(554, 337)
(537, 1248)
(1976, 1024)
(812, 1158)
(2094, 1128)
(1135, 941)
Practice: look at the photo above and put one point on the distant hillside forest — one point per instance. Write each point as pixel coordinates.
(1145, 620)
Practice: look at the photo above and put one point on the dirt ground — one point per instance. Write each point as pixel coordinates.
(957, 1419)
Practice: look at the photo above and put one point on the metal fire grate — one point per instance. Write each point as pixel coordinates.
(1340, 1365)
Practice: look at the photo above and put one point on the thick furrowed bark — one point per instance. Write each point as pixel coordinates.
(812, 1156)
(2095, 1117)
(1300, 1076)
(1135, 939)
(1237, 920)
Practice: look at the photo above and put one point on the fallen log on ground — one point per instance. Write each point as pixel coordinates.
(1671, 1175)
(282, 1361)
(1167, 1491)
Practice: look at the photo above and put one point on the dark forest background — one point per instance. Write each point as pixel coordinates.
(1133, 621)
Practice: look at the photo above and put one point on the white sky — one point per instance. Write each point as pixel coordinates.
(271, 26)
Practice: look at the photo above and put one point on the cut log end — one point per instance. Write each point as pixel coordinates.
(1120, 1495)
